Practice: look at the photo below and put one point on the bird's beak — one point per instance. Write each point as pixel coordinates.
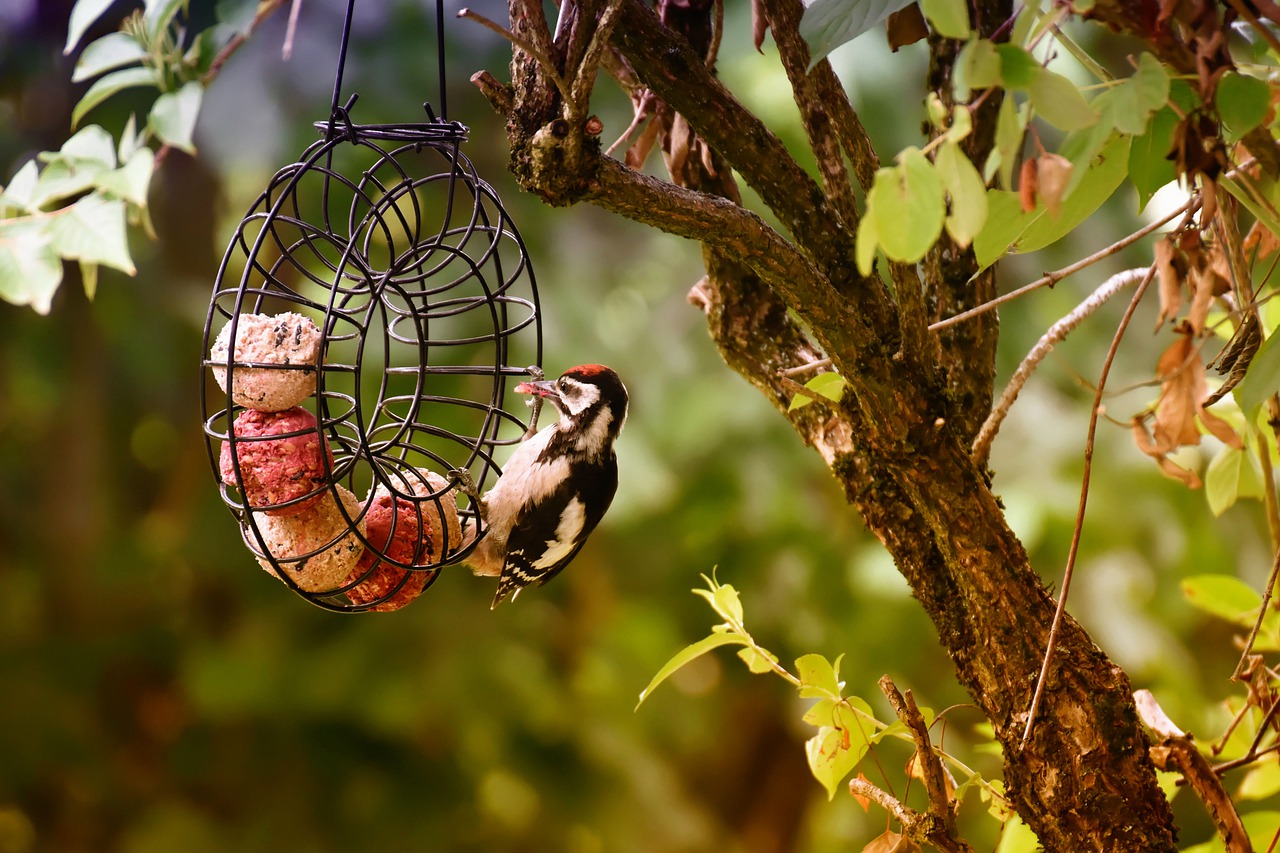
(541, 388)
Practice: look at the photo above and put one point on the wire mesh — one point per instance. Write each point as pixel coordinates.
(424, 306)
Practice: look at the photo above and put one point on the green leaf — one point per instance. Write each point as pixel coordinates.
(89, 276)
(821, 713)
(1260, 826)
(1149, 168)
(30, 269)
(83, 16)
(757, 660)
(950, 18)
(1017, 837)
(1262, 780)
(1018, 68)
(828, 385)
(908, 207)
(132, 180)
(108, 85)
(819, 678)
(867, 241)
(977, 67)
(1233, 474)
(1009, 228)
(832, 755)
(1225, 596)
(1262, 378)
(1011, 125)
(93, 230)
(967, 212)
(20, 193)
(158, 14)
(1058, 101)
(173, 118)
(1262, 210)
(687, 654)
(91, 145)
(827, 24)
(1242, 102)
(113, 50)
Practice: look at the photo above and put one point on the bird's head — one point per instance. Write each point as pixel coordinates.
(591, 399)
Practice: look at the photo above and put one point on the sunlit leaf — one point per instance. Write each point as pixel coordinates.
(757, 660)
(1262, 780)
(1242, 102)
(132, 180)
(30, 269)
(1018, 68)
(821, 713)
(93, 230)
(158, 14)
(20, 193)
(106, 86)
(113, 50)
(908, 207)
(83, 16)
(828, 385)
(1225, 596)
(89, 277)
(948, 17)
(174, 115)
(819, 678)
(967, 212)
(1058, 101)
(832, 755)
(1017, 837)
(1149, 169)
(977, 67)
(827, 24)
(1233, 474)
(867, 242)
(1009, 229)
(688, 654)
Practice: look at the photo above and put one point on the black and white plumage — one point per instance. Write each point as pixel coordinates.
(557, 484)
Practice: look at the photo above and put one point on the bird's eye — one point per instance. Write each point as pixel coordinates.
(564, 385)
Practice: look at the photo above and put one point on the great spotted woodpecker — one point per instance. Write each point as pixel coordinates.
(557, 484)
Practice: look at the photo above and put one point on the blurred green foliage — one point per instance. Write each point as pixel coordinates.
(161, 693)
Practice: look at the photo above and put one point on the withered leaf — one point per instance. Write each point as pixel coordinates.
(891, 842)
(906, 26)
(1262, 240)
(759, 24)
(1053, 174)
(1169, 279)
(1027, 184)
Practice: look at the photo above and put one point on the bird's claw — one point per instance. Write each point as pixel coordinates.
(534, 403)
(466, 484)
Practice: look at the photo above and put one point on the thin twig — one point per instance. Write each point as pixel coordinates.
(237, 41)
(291, 30)
(862, 788)
(1253, 753)
(542, 58)
(1052, 278)
(1262, 613)
(1084, 499)
(1051, 338)
(820, 364)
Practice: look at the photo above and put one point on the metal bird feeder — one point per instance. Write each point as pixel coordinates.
(423, 297)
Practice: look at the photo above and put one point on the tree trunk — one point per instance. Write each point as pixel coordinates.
(898, 442)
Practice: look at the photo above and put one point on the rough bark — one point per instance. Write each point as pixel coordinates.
(898, 443)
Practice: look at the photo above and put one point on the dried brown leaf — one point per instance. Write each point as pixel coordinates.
(1203, 284)
(676, 154)
(1170, 281)
(906, 26)
(641, 148)
(891, 842)
(1261, 239)
(865, 802)
(1027, 180)
(1181, 373)
(759, 24)
(1054, 172)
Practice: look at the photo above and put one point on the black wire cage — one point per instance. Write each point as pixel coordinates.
(383, 267)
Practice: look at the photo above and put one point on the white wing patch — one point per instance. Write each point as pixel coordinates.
(571, 521)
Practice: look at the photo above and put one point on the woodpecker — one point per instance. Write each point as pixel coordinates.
(557, 484)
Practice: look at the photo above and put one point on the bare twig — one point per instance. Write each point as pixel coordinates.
(585, 76)
(291, 30)
(1262, 613)
(863, 788)
(1084, 500)
(820, 364)
(1177, 751)
(542, 57)
(265, 9)
(1254, 752)
(941, 831)
(1051, 338)
(1052, 278)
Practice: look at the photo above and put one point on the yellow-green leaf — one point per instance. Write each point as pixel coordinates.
(687, 654)
(908, 207)
(1058, 101)
(949, 17)
(967, 212)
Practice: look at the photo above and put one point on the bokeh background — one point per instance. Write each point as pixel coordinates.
(159, 692)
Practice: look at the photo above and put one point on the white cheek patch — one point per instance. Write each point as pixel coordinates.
(579, 396)
(567, 531)
(596, 433)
